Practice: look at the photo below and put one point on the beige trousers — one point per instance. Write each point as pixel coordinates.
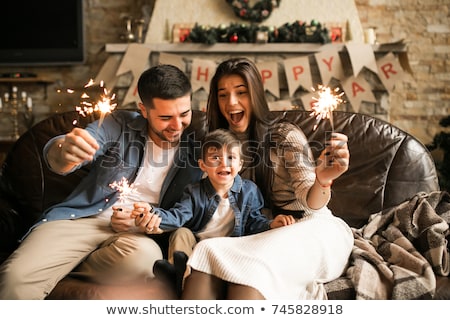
(182, 239)
(86, 248)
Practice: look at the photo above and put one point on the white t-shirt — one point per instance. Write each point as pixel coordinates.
(150, 177)
(221, 223)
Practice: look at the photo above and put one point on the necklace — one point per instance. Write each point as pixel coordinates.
(259, 12)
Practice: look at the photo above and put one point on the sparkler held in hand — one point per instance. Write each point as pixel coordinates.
(324, 105)
(124, 189)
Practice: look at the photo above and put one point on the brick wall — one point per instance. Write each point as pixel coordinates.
(419, 102)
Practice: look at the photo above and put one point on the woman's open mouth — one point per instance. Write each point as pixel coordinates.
(236, 116)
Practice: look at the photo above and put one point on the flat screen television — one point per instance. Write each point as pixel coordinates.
(40, 33)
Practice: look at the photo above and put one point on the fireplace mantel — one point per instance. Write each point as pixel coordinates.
(264, 48)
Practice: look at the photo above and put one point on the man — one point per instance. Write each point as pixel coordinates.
(82, 236)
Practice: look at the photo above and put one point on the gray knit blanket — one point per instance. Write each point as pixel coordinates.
(399, 251)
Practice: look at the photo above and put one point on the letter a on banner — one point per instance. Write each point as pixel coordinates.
(201, 73)
(389, 71)
(330, 65)
(298, 73)
(269, 75)
(358, 90)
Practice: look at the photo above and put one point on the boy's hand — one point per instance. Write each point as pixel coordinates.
(146, 219)
(282, 220)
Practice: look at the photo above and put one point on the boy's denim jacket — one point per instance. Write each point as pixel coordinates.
(200, 201)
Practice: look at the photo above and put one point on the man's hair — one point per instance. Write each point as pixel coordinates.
(219, 139)
(164, 82)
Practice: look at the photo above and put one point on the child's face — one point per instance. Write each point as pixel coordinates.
(221, 165)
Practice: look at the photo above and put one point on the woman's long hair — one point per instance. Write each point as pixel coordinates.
(260, 121)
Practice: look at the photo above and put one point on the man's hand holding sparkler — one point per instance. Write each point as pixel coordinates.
(76, 147)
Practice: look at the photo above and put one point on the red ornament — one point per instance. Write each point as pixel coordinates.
(234, 38)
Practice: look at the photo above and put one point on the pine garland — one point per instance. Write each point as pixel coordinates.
(247, 33)
(259, 12)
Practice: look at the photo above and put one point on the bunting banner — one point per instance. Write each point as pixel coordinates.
(173, 59)
(202, 72)
(308, 100)
(135, 60)
(361, 55)
(108, 71)
(298, 74)
(330, 66)
(357, 89)
(269, 74)
(389, 69)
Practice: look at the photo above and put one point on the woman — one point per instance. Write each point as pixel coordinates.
(291, 262)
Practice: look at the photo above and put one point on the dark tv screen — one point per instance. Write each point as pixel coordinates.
(47, 32)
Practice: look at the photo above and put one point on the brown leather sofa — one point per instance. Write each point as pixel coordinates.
(387, 167)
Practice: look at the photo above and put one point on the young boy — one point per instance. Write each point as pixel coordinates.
(221, 204)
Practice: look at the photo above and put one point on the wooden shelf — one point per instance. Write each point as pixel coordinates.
(31, 80)
(251, 47)
(26, 80)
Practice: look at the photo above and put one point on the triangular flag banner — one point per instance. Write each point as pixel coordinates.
(330, 65)
(298, 73)
(357, 89)
(201, 74)
(269, 74)
(361, 55)
(280, 105)
(173, 59)
(136, 60)
(389, 71)
(308, 100)
(107, 73)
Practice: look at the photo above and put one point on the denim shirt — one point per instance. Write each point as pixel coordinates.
(200, 201)
(122, 138)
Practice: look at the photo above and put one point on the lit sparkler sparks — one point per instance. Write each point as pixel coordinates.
(104, 105)
(124, 188)
(327, 101)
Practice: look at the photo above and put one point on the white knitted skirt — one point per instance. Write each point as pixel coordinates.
(291, 262)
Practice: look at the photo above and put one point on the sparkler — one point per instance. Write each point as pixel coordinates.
(327, 101)
(124, 188)
(104, 105)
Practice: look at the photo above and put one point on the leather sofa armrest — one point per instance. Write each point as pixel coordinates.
(11, 228)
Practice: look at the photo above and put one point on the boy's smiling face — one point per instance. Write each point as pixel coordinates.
(221, 165)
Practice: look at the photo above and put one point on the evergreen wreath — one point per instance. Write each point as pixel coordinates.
(259, 12)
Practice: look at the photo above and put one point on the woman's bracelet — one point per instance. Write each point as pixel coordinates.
(324, 186)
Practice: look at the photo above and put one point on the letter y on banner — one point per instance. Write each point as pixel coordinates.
(330, 65)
